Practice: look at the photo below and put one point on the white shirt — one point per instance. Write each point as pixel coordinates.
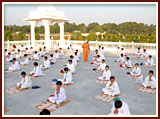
(14, 66)
(26, 82)
(36, 57)
(124, 110)
(61, 95)
(128, 63)
(121, 59)
(26, 60)
(22, 49)
(10, 58)
(102, 66)
(137, 70)
(150, 61)
(71, 67)
(38, 71)
(46, 64)
(113, 88)
(107, 74)
(68, 76)
(153, 82)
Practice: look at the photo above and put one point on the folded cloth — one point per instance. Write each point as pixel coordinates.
(50, 96)
(120, 65)
(51, 63)
(115, 61)
(141, 64)
(91, 63)
(35, 87)
(11, 61)
(54, 80)
(42, 55)
(94, 69)
(61, 71)
(128, 73)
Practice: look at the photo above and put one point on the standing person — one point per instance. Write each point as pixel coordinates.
(86, 50)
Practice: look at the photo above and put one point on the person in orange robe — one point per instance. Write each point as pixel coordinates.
(86, 50)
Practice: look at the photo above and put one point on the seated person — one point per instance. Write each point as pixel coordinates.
(122, 52)
(76, 57)
(25, 82)
(61, 53)
(15, 66)
(111, 88)
(41, 54)
(52, 58)
(22, 48)
(95, 55)
(27, 51)
(118, 50)
(60, 94)
(56, 54)
(19, 54)
(46, 64)
(102, 66)
(45, 51)
(71, 66)
(35, 56)
(97, 61)
(37, 71)
(9, 57)
(150, 81)
(106, 74)
(67, 76)
(127, 63)
(121, 59)
(73, 60)
(136, 72)
(26, 60)
(6, 52)
(120, 108)
(78, 53)
(138, 52)
(144, 54)
(31, 50)
(149, 62)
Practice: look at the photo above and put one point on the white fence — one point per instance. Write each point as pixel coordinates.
(109, 46)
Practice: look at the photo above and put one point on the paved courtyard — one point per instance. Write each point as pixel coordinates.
(81, 93)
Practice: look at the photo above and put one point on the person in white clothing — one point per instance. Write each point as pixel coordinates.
(9, 57)
(78, 53)
(31, 50)
(52, 58)
(6, 52)
(67, 76)
(41, 54)
(95, 55)
(25, 82)
(37, 71)
(150, 81)
(22, 48)
(76, 57)
(61, 53)
(118, 50)
(122, 52)
(136, 72)
(121, 59)
(144, 54)
(71, 66)
(106, 74)
(73, 60)
(57, 54)
(120, 108)
(19, 54)
(14, 67)
(102, 66)
(60, 94)
(45, 50)
(35, 56)
(127, 63)
(138, 52)
(27, 51)
(111, 87)
(97, 61)
(149, 62)
(26, 60)
(46, 64)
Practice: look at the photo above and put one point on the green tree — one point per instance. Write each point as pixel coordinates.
(7, 35)
(21, 36)
(92, 36)
(37, 36)
(76, 36)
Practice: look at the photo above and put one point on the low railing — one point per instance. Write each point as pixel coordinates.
(109, 46)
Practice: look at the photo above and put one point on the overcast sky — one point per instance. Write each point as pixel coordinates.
(14, 14)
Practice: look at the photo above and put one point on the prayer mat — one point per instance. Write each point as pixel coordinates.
(105, 98)
(147, 90)
(51, 106)
(100, 81)
(13, 91)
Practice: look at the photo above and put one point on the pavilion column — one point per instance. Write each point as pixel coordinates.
(62, 40)
(47, 24)
(33, 24)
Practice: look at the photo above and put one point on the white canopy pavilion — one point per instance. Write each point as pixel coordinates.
(47, 14)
